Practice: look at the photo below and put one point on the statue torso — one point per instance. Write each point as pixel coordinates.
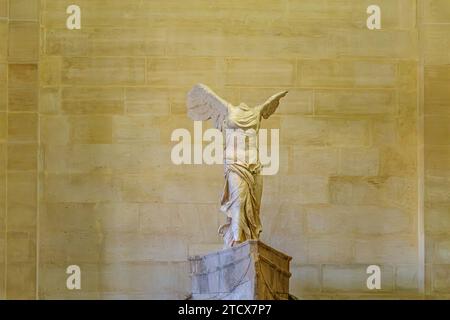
(241, 131)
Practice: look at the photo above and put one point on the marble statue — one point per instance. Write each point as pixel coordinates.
(241, 197)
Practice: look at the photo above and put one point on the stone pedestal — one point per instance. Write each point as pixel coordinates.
(249, 271)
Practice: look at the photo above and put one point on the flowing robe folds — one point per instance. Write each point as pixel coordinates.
(241, 198)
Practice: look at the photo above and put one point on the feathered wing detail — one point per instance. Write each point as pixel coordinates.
(269, 107)
(204, 104)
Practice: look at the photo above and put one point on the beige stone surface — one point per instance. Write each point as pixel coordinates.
(50, 70)
(4, 32)
(3, 8)
(337, 74)
(23, 41)
(406, 278)
(24, 9)
(305, 279)
(17, 132)
(4, 45)
(436, 11)
(184, 71)
(20, 153)
(86, 117)
(436, 132)
(103, 71)
(3, 87)
(22, 75)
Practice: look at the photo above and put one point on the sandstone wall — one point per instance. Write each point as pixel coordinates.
(87, 177)
(435, 34)
(19, 87)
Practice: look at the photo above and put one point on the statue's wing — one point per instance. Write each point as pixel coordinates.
(269, 107)
(204, 104)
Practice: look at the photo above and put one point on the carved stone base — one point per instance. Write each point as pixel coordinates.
(249, 271)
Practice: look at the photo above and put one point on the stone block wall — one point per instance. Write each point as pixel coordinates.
(19, 65)
(86, 119)
(435, 30)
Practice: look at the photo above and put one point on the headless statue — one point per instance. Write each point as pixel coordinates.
(241, 197)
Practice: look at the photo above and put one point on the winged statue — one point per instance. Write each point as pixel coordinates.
(241, 196)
